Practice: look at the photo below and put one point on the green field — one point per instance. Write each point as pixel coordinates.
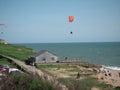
(58, 66)
(18, 52)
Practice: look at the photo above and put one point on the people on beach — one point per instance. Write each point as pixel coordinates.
(119, 74)
(110, 74)
(105, 74)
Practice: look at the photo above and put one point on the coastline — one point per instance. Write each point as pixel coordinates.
(104, 53)
(113, 80)
(87, 69)
(111, 67)
(110, 75)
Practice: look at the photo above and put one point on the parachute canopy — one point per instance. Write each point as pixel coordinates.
(71, 18)
(4, 25)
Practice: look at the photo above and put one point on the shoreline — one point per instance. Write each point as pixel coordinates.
(111, 67)
(110, 75)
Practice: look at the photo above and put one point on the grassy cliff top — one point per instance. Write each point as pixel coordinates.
(18, 52)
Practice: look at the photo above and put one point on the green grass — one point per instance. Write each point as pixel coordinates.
(5, 61)
(88, 81)
(65, 80)
(52, 66)
(103, 85)
(18, 52)
(74, 70)
(84, 84)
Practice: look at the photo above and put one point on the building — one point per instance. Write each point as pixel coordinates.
(45, 56)
(2, 41)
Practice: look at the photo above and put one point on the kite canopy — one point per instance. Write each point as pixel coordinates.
(71, 18)
(4, 25)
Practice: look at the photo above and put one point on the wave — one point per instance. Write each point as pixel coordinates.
(111, 67)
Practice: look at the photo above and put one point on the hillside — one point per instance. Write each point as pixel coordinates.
(19, 52)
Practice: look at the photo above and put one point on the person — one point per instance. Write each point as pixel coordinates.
(109, 74)
(66, 58)
(78, 75)
(71, 32)
(119, 74)
(105, 74)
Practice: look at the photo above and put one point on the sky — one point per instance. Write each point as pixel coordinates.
(46, 21)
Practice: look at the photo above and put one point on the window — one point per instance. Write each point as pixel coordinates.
(53, 58)
(43, 59)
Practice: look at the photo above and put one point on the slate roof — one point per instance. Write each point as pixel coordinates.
(43, 51)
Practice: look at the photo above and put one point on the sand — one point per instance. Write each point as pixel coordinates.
(110, 76)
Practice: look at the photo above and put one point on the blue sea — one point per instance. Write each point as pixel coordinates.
(105, 53)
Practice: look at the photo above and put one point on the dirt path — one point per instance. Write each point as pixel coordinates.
(33, 70)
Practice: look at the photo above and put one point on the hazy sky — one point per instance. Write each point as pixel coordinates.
(44, 21)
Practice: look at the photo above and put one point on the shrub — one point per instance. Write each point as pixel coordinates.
(117, 88)
(25, 82)
(84, 84)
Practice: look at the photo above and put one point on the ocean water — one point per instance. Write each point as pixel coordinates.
(106, 53)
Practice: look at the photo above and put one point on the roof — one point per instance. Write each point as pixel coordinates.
(41, 52)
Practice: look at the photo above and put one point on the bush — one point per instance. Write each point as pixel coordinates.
(25, 82)
(84, 84)
(117, 88)
(103, 85)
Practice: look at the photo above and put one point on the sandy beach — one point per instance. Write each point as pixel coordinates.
(109, 76)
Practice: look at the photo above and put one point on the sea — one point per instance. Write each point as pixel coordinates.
(104, 53)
